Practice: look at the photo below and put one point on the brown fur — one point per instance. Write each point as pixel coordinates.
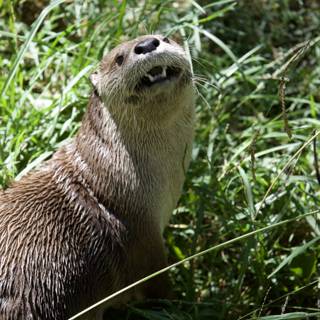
(90, 220)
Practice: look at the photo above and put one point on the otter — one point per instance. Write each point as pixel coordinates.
(89, 221)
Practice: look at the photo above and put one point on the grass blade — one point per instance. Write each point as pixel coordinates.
(294, 253)
(199, 254)
(36, 25)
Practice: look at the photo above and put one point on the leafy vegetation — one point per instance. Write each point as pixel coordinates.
(257, 71)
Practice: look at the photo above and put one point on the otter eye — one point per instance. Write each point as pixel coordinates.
(166, 40)
(119, 60)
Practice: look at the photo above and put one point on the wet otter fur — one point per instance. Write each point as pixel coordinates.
(89, 221)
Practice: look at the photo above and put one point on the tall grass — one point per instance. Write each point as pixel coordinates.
(257, 69)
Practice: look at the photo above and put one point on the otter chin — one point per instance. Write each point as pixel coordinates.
(89, 221)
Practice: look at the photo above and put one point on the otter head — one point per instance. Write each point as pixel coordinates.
(148, 79)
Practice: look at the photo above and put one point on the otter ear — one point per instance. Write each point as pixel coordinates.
(94, 78)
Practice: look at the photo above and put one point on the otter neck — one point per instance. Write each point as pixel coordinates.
(137, 174)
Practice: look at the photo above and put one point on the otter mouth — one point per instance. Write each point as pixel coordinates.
(158, 75)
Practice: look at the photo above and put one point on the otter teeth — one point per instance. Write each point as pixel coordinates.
(157, 73)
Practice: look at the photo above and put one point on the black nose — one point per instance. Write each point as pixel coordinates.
(146, 46)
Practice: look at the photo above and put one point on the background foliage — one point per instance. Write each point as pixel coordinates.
(257, 71)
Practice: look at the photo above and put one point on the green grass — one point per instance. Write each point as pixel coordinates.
(253, 164)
